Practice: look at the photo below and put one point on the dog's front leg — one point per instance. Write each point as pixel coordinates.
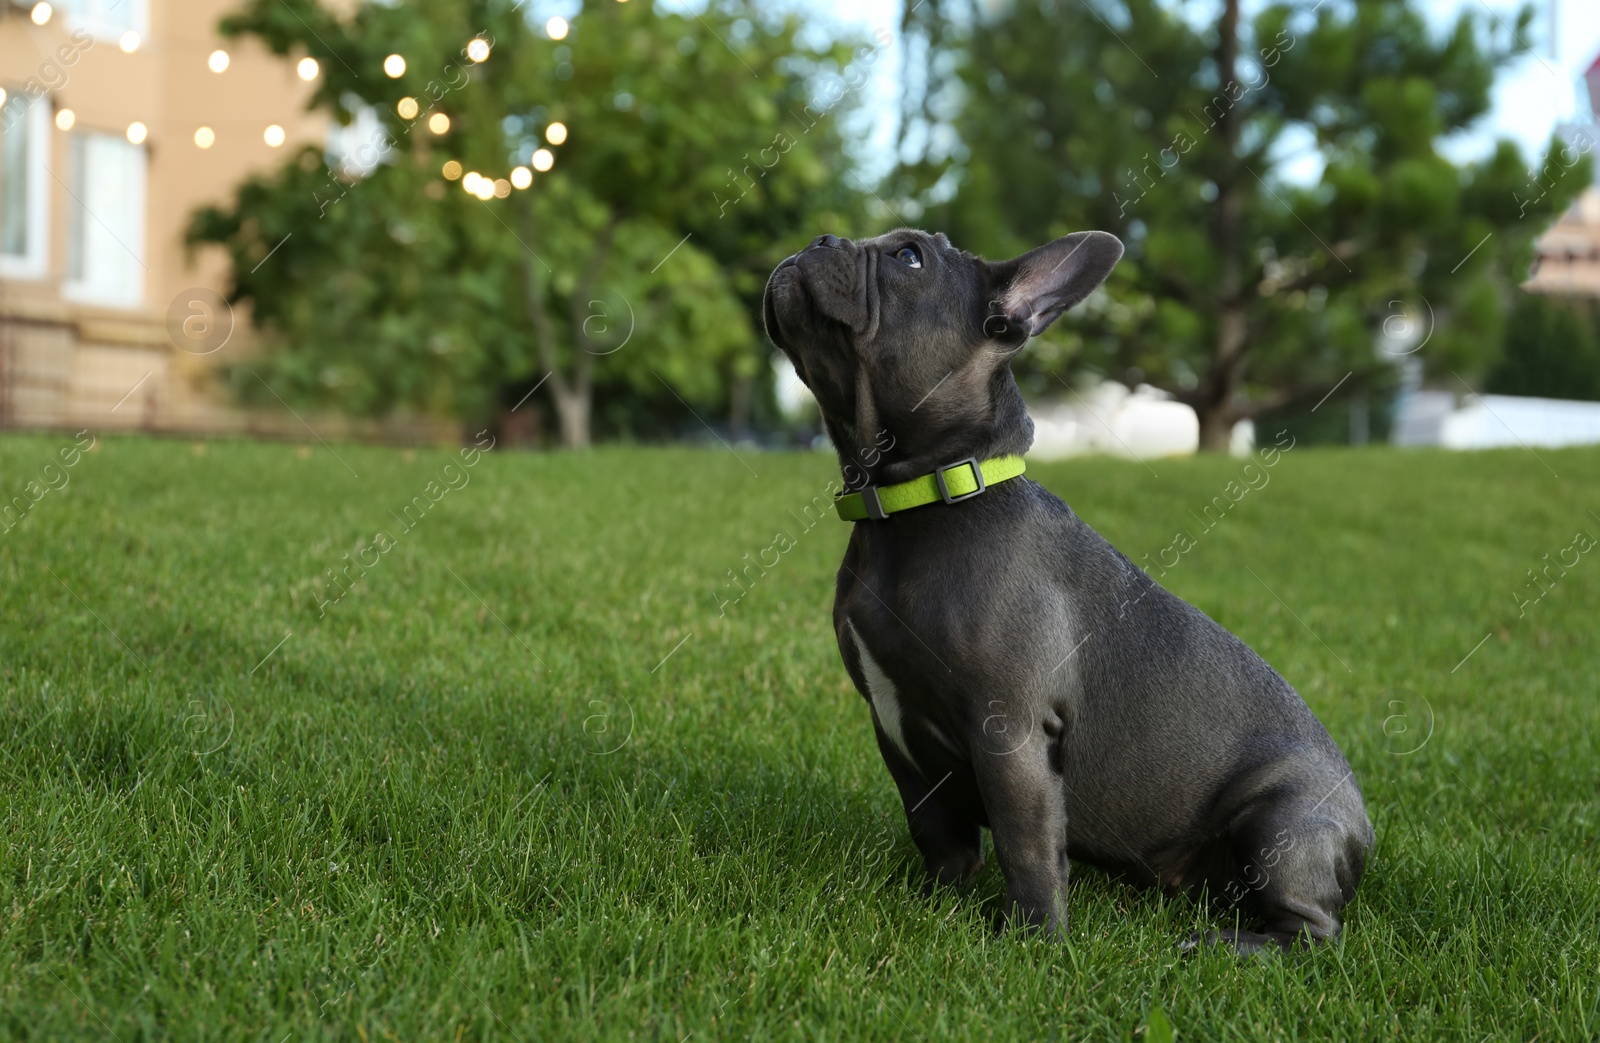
(1026, 807)
(951, 842)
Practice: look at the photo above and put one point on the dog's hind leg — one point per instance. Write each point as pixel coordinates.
(1299, 864)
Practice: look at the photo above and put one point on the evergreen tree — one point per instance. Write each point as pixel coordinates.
(1244, 289)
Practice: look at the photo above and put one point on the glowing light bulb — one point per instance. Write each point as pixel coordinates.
(273, 136)
(394, 66)
(556, 28)
(205, 137)
(137, 132)
(502, 188)
(521, 177)
(556, 133)
(307, 69)
(478, 50)
(218, 61)
(452, 170)
(543, 160)
(470, 182)
(439, 123)
(129, 42)
(41, 13)
(66, 118)
(407, 108)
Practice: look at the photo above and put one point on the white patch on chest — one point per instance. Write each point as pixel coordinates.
(880, 689)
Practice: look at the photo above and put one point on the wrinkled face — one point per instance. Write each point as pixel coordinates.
(894, 313)
(906, 333)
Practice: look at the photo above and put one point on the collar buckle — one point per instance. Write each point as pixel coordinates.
(944, 488)
(873, 505)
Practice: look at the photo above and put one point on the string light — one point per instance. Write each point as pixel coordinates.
(452, 170)
(307, 69)
(478, 49)
(205, 137)
(41, 13)
(543, 160)
(556, 133)
(439, 123)
(137, 132)
(485, 190)
(218, 61)
(273, 136)
(394, 66)
(502, 188)
(129, 42)
(407, 108)
(556, 28)
(470, 182)
(65, 118)
(521, 177)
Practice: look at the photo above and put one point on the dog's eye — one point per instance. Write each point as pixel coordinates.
(908, 256)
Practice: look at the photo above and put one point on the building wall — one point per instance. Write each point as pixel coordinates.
(69, 360)
(1567, 255)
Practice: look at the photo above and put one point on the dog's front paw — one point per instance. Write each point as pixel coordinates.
(1031, 920)
(953, 872)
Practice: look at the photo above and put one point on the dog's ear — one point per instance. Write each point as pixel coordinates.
(1032, 291)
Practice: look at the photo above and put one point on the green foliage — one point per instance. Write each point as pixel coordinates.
(624, 268)
(229, 818)
(1552, 350)
(1244, 290)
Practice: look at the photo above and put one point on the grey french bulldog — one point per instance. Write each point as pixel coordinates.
(1023, 675)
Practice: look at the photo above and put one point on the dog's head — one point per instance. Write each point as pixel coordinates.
(906, 341)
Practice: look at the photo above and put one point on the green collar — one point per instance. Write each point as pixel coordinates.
(951, 483)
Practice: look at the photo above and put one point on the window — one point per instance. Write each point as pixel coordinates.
(24, 198)
(109, 19)
(105, 238)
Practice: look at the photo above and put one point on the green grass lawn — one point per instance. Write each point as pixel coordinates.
(524, 780)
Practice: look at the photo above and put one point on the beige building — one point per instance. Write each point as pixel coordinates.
(119, 118)
(1567, 256)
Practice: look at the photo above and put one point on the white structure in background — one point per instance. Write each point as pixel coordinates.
(1108, 418)
(1452, 421)
(1101, 418)
(794, 398)
(1242, 439)
(1566, 264)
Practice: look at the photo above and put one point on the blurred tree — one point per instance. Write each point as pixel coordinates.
(1276, 179)
(1551, 349)
(692, 153)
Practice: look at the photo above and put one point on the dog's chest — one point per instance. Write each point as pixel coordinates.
(881, 691)
(908, 721)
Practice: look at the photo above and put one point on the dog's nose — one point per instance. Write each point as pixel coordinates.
(825, 241)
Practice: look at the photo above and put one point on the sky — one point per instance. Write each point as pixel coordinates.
(1530, 98)
(1542, 89)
